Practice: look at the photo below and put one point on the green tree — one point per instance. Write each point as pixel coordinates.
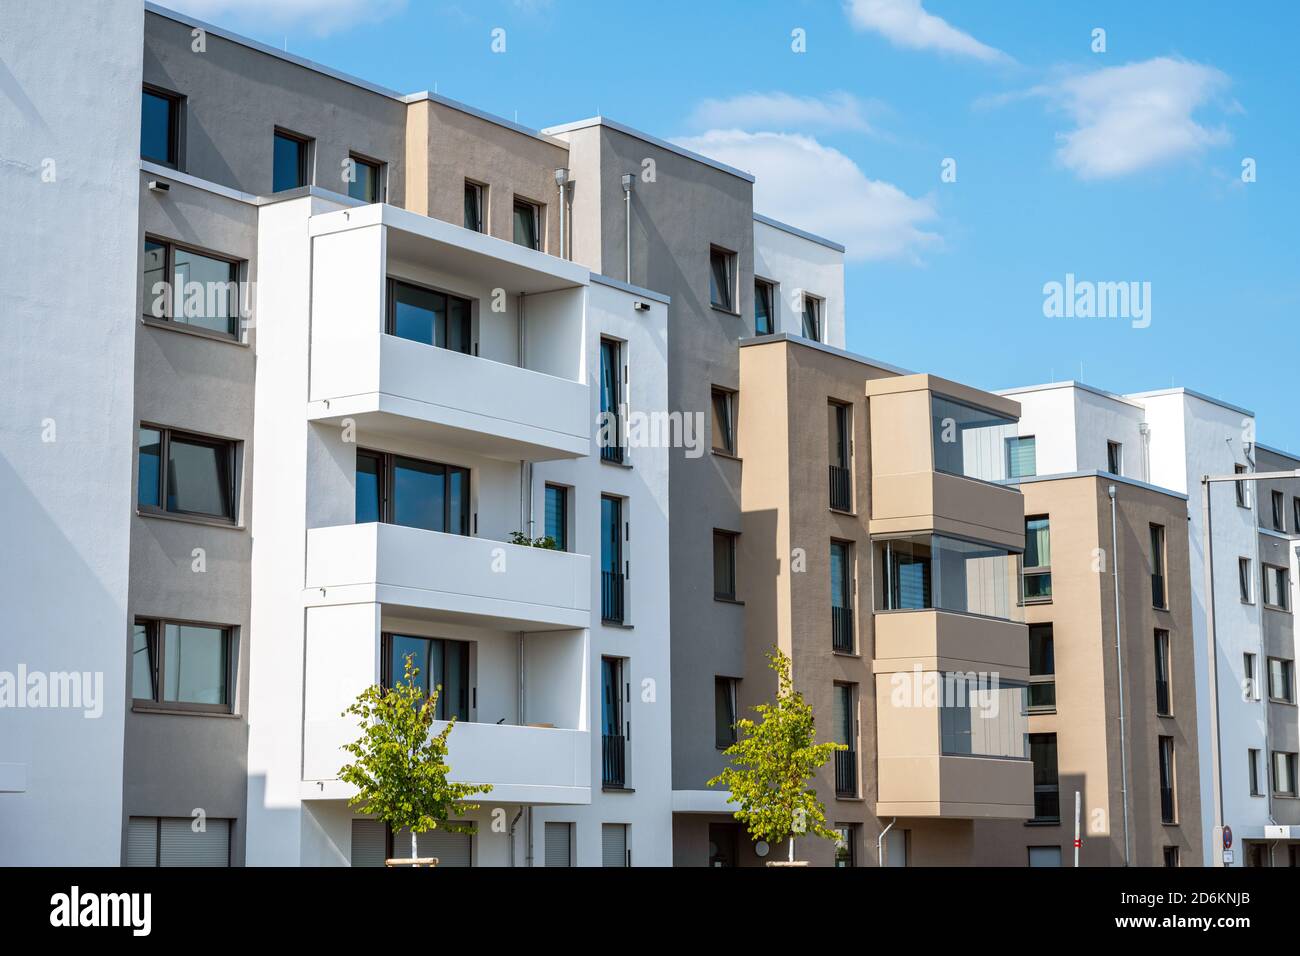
(772, 763)
(399, 767)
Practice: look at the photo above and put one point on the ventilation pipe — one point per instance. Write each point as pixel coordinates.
(627, 222)
(1119, 669)
(562, 181)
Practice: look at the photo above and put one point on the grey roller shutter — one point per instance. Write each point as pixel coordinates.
(613, 844)
(450, 849)
(179, 845)
(559, 844)
(142, 841)
(369, 842)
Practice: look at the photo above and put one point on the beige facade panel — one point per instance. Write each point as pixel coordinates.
(935, 640)
(984, 788)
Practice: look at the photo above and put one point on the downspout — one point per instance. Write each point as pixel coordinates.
(1119, 669)
(514, 823)
(627, 224)
(880, 843)
(562, 180)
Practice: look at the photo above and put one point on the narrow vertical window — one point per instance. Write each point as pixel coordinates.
(291, 161)
(724, 565)
(1047, 783)
(722, 279)
(474, 206)
(557, 516)
(724, 712)
(812, 317)
(1114, 458)
(844, 722)
(160, 127)
(840, 449)
(1159, 595)
(1162, 673)
(1243, 491)
(527, 217)
(1279, 511)
(1168, 811)
(611, 559)
(764, 307)
(724, 417)
(1042, 669)
(1245, 580)
(1038, 560)
(367, 179)
(613, 762)
(611, 401)
(842, 597)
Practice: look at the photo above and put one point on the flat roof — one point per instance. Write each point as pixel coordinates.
(1068, 383)
(1180, 390)
(796, 231)
(646, 137)
(1064, 476)
(809, 343)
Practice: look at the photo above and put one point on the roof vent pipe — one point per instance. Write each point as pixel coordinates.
(627, 221)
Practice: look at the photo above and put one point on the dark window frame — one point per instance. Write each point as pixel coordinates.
(1252, 771)
(175, 126)
(480, 206)
(840, 468)
(847, 784)
(612, 366)
(1049, 790)
(732, 539)
(468, 687)
(157, 649)
(387, 497)
(613, 677)
(1013, 443)
(725, 688)
(519, 202)
(1163, 650)
(731, 291)
(307, 147)
(843, 634)
(391, 284)
(1278, 502)
(1288, 676)
(1282, 588)
(166, 434)
(1045, 678)
(1159, 565)
(764, 293)
(1114, 457)
(1166, 779)
(1290, 760)
(1242, 491)
(613, 603)
(170, 247)
(1038, 572)
(818, 313)
(563, 542)
(728, 397)
(379, 169)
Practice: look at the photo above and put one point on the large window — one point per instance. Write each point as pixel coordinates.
(842, 596)
(722, 279)
(424, 315)
(724, 420)
(185, 474)
(1042, 669)
(1277, 587)
(1047, 782)
(969, 441)
(724, 565)
(982, 718)
(557, 516)
(812, 317)
(160, 124)
(1168, 810)
(1038, 560)
(441, 664)
(291, 162)
(1022, 456)
(183, 665)
(764, 307)
(528, 222)
(724, 712)
(611, 558)
(611, 401)
(1159, 592)
(395, 489)
(613, 691)
(932, 571)
(845, 723)
(367, 182)
(839, 431)
(1281, 686)
(1284, 771)
(190, 288)
(1163, 670)
(474, 206)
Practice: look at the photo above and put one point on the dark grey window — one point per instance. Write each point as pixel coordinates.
(1244, 581)
(474, 206)
(840, 447)
(612, 534)
(160, 118)
(610, 434)
(184, 665)
(425, 315)
(1114, 457)
(1159, 593)
(844, 727)
(527, 224)
(724, 421)
(722, 279)
(1279, 511)
(367, 182)
(842, 596)
(764, 307)
(1038, 560)
(1168, 810)
(1252, 767)
(395, 489)
(557, 516)
(724, 712)
(191, 288)
(291, 161)
(812, 317)
(441, 664)
(1042, 669)
(185, 474)
(1163, 670)
(724, 565)
(614, 730)
(1277, 587)
(1171, 857)
(1047, 782)
(1280, 684)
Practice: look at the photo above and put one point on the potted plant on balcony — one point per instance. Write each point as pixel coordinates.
(772, 762)
(545, 541)
(400, 768)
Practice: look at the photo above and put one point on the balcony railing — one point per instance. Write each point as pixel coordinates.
(846, 773)
(841, 489)
(842, 629)
(613, 760)
(1047, 803)
(611, 596)
(611, 441)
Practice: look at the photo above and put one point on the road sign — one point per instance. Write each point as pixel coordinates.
(1227, 837)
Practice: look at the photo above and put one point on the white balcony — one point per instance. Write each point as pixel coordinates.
(448, 576)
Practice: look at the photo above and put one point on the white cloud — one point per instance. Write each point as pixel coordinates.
(905, 23)
(316, 16)
(784, 111)
(1135, 116)
(815, 187)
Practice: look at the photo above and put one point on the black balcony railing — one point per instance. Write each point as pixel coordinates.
(846, 773)
(842, 629)
(611, 448)
(841, 489)
(612, 763)
(611, 596)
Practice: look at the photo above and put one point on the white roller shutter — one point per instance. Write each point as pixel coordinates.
(451, 849)
(181, 846)
(370, 842)
(559, 844)
(613, 844)
(142, 841)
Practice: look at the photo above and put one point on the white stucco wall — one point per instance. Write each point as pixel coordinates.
(798, 265)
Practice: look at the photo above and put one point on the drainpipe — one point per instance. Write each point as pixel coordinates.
(1119, 669)
(562, 180)
(627, 222)
(514, 823)
(880, 843)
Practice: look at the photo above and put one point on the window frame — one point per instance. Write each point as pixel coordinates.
(1242, 487)
(157, 644)
(1295, 514)
(1046, 787)
(380, 172)
(386, 670)
(1289, 761)
(231, 448)
(1038, 571)
(611, 361)
(731, 262)
(732, 539)
(391, 283)
(387, 493)
(1045, 678)
(1159, 558)
(839, 441)
(768, 297)
(536, 207)
(1250, 672)
(1282, 586)
(1013, 443)
(1167, 767)
(306, 158)
(621, 534)
(1245, 579)
(168, 319)
(848, 758)
(728, 397)
(564, 542)
(481, 206)
(1277, 501)
(175, 126)
(1287, 672)
(1163, 650)
(818, 312)
(725, 688)
(1114, 457)
(1252, 771)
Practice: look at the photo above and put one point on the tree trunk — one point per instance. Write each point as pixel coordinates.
(414, 854)
(791, 847)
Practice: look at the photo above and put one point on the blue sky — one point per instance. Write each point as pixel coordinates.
(1115, 166)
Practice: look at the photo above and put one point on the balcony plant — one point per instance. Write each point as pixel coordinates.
(400, 768)
(546, 541)
(772, 763)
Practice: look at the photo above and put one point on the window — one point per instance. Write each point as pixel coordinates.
(1243, 489)
(474, 205)
(1279, 511)
(1249, 687)
(1159, 596)
(1295, 515)
(812, 317)
(190, 288)
(846, 841)
(1162, 673)
(1171, 857)
(367, 181)
(557, 516)
(724, 565)
(724, 712)
(186, 474)
(764, 307)
(440, 663)
(1280, 684)
(841, 448)
(1047, 786)
(968, 441)
(1245, 581)
(722, 279)
(395, 489)
(1252, 764)
(724, 421)
(611, 401)
(844, 719)
(1277, 587)
(558, 844)
(160, 125)
(1168, 813)
(842, 597)
(528, 230)
(183, 665)
(173, 841)
(291, 161)
(1022, 456)
(1044, 856)
(723, 842)
(611, 559)
(1114, 458)
(917, 572)
(613, 691)
(1038, 560)
(613, 845)
(1042, 669)
(433, 318)
(1284, 766)
(982, 716)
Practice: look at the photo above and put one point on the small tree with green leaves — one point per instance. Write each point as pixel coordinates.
(399, 767)
(772, 763)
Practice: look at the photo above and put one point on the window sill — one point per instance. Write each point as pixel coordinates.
(145, 708)
(190, 519)
(851, 655)
(850, 798)
(1164, 716)
(1043, 823)
(621, 625)
(841, 511)
(727, 600)
(605, 788)
(1279, 700)
(192, 330)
